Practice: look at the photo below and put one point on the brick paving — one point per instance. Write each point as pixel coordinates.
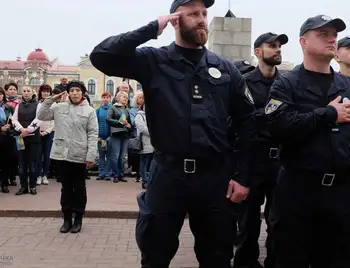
(103, 243)
(105, 199)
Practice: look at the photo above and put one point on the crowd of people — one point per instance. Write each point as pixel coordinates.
(50, 134)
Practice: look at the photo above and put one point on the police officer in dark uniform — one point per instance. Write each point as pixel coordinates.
(267, 48)
(189, 95)
(243, 66)
(343, 56)
(309, 115)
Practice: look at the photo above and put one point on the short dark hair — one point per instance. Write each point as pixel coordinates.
(44, 88)
(2, 91)
(11, 84)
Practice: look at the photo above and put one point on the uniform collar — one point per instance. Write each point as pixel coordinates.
(208, 58)
(338, 81)
(256, 75)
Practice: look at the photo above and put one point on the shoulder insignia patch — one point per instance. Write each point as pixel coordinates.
(248, 95)
(272, 106)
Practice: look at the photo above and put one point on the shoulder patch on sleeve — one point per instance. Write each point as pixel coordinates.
(272, 106)
(248, 95)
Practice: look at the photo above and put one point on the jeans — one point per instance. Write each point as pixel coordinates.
(118, 147)
(104, 162)
(27, 159)
(145, 161)
(44, 154)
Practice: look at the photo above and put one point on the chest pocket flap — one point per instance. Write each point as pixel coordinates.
(172, 72)
(223, 79)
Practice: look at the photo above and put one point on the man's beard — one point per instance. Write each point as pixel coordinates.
(197, 36)
(272, 61)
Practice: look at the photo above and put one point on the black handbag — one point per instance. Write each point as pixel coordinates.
(135, 144)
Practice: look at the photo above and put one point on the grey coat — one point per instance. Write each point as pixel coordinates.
(141, 126)
(76, 130)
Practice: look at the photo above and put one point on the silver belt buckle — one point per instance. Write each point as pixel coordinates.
(273, 153)
(190, 162)
(330, 179)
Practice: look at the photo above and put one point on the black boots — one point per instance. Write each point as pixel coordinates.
(73, 228)
(67, 225)
(22, 191)
(76, 226)
(5, 189)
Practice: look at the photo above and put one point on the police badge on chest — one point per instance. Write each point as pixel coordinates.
(196, 93)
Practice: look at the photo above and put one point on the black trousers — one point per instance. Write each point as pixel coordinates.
(73, 191)
(311, 222)
(170, 195)
(28, 165)
(249, 218)
(7, 145)
(134, 161)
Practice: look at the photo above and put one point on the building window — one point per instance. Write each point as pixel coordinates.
(138, 86)
(19, 84)
(34, 82)
(110, 87)
(91, 87)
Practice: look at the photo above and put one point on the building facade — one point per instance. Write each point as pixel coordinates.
(38, 69)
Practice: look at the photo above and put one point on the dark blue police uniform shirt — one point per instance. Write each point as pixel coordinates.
(188, 110)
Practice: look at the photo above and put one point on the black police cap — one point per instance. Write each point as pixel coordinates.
(320, 21)
(243, 66)
(177, 3)
(344, 42)
(269, 38)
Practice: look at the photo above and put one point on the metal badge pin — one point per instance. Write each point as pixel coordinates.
(215, 73)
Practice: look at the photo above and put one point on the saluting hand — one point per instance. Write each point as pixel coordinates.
(343, 110)
(236, 192)
(164, 20)
(60, 96)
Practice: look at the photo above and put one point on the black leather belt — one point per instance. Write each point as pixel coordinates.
(325, 179)
(190, 165)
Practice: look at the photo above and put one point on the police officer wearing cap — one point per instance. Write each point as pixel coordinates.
(243, 66)
(267, 48)
(343, 55)
(309, 117)
(189, 95)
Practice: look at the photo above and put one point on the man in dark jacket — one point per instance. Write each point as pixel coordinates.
(190, 94)
(309, 115)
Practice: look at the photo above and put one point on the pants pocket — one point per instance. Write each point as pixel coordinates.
(143, 223)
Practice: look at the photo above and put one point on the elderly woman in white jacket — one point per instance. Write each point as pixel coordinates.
(146, 153)
(74, 148)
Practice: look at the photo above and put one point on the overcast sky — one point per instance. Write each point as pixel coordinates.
(68, 29)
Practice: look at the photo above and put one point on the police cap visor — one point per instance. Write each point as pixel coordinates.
(322, 21)
(244, 66)
(344, 42)
(269, 38)
(177, 3)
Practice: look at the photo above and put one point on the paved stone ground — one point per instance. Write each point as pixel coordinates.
(103, 243)
(105, 199)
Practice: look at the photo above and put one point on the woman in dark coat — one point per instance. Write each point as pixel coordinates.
(7, 141)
